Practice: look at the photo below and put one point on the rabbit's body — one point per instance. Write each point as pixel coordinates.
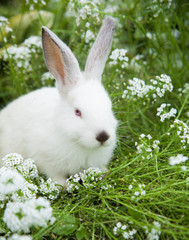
(44, 139)
(65, 129)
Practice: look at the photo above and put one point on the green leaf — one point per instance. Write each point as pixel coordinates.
(82, 233)
(66, 225)
(135, 214)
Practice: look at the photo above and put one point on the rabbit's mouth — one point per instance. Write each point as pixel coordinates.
(95, 143)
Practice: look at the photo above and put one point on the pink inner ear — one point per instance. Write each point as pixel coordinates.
(54, 59)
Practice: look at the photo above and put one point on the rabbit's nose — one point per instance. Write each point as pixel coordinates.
(102, 137)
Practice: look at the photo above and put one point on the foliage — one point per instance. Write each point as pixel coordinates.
(145, 193)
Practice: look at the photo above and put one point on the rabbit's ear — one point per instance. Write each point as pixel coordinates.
(100, 50)
(59, 59)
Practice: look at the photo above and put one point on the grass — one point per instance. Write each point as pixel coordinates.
(160, 34)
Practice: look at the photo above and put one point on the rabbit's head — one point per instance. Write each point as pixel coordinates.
(85, 114)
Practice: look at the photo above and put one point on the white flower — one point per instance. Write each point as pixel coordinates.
(182, 132)
(136, 193)
(33, 41)
(21, 216)
(183, 168)
(2, 238)
(3, 19)
(28, 192)
(28, 169)
(155, 232)
(115, 230)
(46, 77)
(87, 178)
(126, 235)
(132, 232)
(89, 36)
(118, 225)
(19, 237)
(33, 3)
(10, 181)
(143, 193)
(155, 144)
(142, 135)
(186, 88)
(166, 84)
(83, 9)
(124, 227)
(137, 88)
(12, 160)
(177, 159)
(149, 136)
(149, 35)
(21, 55)
(4, 26)
(119, 55)
(130, 186)
(49, 188)
(163, 114)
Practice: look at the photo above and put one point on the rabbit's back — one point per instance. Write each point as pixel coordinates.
(22, 122)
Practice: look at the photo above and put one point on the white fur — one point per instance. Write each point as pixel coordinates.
(42, 124)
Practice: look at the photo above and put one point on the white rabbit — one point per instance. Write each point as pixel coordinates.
(68, 128)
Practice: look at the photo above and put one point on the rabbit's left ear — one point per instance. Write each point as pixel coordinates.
(100, 50)
(60, 60)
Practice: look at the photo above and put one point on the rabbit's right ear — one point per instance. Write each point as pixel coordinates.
(60, 60)
(100, 50)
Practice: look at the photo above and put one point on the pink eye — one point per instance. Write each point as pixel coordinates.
(78, 112)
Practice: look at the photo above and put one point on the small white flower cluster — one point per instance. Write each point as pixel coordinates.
(35, 3)
(29, 191)
(182, 131)
(21, 55)
(10, 181)
(163, 114)
(124, 230)
(137, 88)
(157, 6)
(21, 216)
(83, 9)
(89, 36)
(111, 8)
(33, 42)
(118, 56)
(15, 236)
(24, 171)
(47, 78)
(48, 188)
(20, 184)
(147, 146)
(4, 27)
(137, 189)
(184, 90)
(163, 83)
(11, 160)
(177, 159)
(28, 168)
(87, 178)
(155, 232)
